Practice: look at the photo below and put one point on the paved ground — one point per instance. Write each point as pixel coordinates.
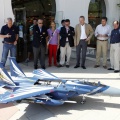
(96, 108)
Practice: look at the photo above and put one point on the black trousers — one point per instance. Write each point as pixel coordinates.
(58, 55)
(81, 47)
(39, 54)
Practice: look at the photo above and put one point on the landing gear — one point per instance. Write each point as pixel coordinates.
(83, 100)
(18, 101)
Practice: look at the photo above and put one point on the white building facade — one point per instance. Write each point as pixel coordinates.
(66, 9)
(72, 9)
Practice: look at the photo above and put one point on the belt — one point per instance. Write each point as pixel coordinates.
(82, 39)
(114, 42)
(9, 42)
(103, 40)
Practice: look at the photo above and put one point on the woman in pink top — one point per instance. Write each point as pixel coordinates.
(53, 43)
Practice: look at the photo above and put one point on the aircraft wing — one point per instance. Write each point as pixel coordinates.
(24, 93)
(4, 76)
(44, 75)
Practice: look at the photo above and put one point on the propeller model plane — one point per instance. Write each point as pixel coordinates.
(45, 88)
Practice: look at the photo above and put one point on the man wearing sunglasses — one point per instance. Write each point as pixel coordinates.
(39, 43)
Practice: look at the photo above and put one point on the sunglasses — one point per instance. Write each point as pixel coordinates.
(40, 23)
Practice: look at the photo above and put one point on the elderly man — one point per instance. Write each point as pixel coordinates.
(39, 43)
(83, 34)
(102, 32)
(115, 48)
(10, 34)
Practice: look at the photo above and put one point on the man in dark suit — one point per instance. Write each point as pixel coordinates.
(58, 52)
(66, 43)
(39, 43)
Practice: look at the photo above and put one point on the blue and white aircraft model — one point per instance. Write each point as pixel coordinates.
(45, 88)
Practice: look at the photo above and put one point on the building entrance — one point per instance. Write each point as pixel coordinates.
(25, 11)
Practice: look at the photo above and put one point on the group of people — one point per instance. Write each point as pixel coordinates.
(59, 42)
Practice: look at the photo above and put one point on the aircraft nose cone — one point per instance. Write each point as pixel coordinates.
(111, 91)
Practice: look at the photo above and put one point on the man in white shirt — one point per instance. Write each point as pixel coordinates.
(83, 34)
(102, 32)
(66, 43)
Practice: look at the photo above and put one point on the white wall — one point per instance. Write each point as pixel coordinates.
(1, 22)
(112, 10)
(74, 8)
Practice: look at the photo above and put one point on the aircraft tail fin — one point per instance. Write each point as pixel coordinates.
(15, 68)
(5, 77)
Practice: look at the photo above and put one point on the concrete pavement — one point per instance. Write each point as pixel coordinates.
(96, 107)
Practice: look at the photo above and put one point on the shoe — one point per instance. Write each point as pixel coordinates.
(50, 65)
(105, 67)
(67, 66)
(83, 67)
(43, 68)
(27, 60)
(96, 66)
(110, 69)
(77, 66)
(60, 65)
(35, 67)
(116, 71)
(55, 64)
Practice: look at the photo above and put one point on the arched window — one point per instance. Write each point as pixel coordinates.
(97, 9)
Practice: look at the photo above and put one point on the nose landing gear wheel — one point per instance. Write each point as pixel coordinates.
(83, 100)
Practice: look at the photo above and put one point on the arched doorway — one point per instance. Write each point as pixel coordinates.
(25, 11)
(97, 9)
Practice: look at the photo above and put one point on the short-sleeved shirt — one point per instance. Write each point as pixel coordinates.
(13, 31)
(53, 40)
(31, 30)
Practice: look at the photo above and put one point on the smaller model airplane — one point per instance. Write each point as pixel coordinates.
(45, 88)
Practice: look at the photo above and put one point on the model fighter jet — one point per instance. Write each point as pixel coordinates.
(44, 88)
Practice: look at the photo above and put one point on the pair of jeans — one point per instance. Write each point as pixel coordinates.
(6, 49)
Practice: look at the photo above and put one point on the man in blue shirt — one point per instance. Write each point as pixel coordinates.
(115, 48)
(10, 34)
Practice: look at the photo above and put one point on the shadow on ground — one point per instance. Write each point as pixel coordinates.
(43, 112)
